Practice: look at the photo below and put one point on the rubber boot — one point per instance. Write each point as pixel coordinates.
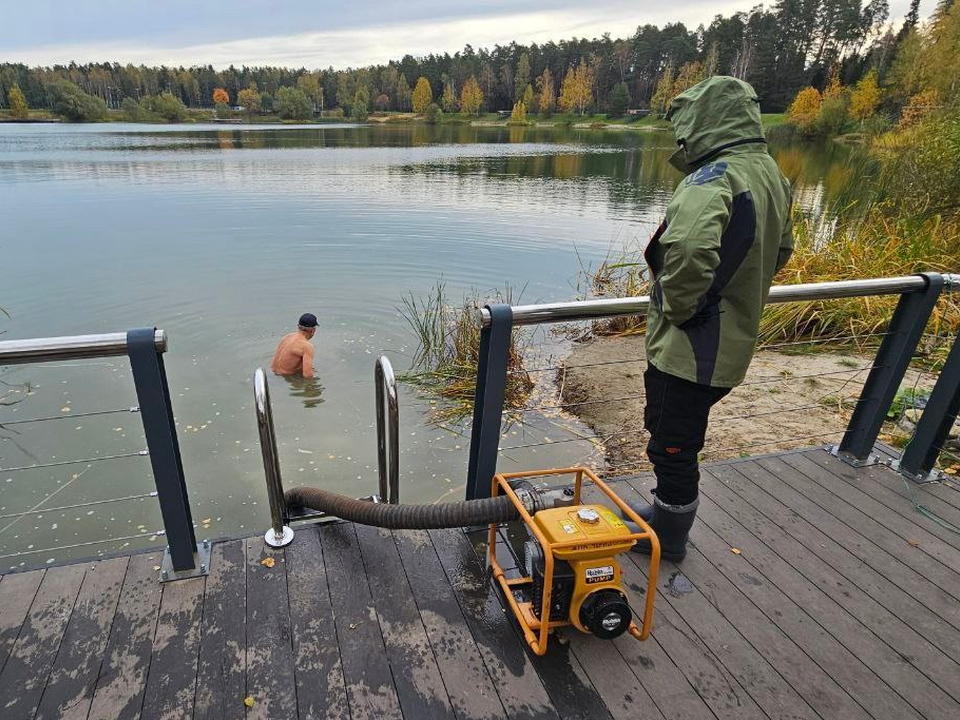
(672, 525)
(644, 510)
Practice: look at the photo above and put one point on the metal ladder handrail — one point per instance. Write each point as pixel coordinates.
(389, 474)
(280, 532)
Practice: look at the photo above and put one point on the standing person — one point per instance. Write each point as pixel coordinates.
(295, 353)
(712, 261)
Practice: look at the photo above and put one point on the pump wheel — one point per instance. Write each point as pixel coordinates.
(606, 614)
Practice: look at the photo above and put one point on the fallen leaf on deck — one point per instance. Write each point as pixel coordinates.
(268, 562)
(735, 551)
(248, 701)
(913, 543)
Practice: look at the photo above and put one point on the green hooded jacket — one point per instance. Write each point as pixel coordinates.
(727, 232)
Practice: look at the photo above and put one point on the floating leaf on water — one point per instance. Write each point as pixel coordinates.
(205, 521)
(65, 409)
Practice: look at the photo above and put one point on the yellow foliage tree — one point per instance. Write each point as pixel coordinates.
(577, 90)
(866, 97)
(664, 92)
(422, 95)
(690, 74)
(249, 99)
(804, 111)
(547, 94)
(519, 113)
(471, 97)
(919, 107)
(17, 102)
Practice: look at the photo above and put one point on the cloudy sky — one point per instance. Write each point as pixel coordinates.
(317, 33)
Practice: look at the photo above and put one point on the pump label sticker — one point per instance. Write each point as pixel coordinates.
(612, 520)
(568, 527)
(601, 574)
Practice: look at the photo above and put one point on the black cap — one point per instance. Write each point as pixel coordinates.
(308, 320)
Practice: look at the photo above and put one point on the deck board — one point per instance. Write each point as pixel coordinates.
(825, 610)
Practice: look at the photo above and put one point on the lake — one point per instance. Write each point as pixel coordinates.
(223, 236)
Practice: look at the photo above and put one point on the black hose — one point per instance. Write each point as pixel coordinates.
(404, 517)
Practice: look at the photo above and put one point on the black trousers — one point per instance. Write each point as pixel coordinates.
(676, 417)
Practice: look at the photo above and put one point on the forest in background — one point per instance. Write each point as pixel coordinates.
(791, 45)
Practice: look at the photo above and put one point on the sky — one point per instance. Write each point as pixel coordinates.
(319, 33)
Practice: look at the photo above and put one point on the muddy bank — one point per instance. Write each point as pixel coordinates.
(787, 401)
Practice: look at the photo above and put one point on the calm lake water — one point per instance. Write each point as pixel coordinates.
(223, 236)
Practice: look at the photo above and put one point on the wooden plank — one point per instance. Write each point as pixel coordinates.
(16, 594)
(270, 670)
(320, 687)
(172, 678)
(567, 685)
(416, 676)
(920, 575)
(473, 692)
(750, 491)
(904, 539)
(73, 677)
(872, 643)
(222, 664)
(764, 660)
(890, 490)
(25, 673)
(123, 675)
(369, 682)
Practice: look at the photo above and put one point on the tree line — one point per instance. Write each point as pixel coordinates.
(791, 45)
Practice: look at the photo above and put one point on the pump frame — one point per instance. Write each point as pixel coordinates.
(535, 631)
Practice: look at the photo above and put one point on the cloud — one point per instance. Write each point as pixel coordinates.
(379, 43)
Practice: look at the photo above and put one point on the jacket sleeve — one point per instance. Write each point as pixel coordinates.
(786, 240)
(696, 218)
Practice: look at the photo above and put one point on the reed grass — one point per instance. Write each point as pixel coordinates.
(448, 351)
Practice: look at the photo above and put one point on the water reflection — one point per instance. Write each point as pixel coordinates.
(309, 389)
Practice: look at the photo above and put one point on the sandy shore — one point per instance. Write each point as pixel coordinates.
(786, 401)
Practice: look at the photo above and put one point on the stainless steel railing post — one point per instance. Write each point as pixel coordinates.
(279, 534)
(389, 472)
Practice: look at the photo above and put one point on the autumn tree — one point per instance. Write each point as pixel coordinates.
(360, 108)
(403, 93)
(577, 90)
(529, 101)
(422, 95)
(519, 113)
(249, 99)
(17, 102)
(471, 97)
(690, 74)
(664, 92)
(309, 85)
(546, 93)
(804, 111)
(865, 98)
(449, 100)
(521, 80)
(221, 97)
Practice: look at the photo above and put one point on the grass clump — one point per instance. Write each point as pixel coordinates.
(448, 352)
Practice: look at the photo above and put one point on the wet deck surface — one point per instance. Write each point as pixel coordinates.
(811, 590)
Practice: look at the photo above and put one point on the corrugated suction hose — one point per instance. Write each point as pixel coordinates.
(404, 517)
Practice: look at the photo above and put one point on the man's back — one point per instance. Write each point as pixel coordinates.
(726, 234)
(294, 355)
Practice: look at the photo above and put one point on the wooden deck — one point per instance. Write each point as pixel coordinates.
(812, 591)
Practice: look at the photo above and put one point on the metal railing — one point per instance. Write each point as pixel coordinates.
(388, 452)
(918, 295)
(145, 348)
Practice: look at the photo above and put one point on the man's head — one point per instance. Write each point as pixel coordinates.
(308, 324)
(715, 114)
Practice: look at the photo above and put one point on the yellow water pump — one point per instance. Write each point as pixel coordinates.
(572, 571)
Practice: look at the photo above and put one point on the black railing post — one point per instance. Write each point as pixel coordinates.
(921, 453)
(488, 400)
(150, 379)
(889, 368)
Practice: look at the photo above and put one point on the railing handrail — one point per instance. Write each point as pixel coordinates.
(388, 472)
(279, 533)
(615, 307)
(70, 347)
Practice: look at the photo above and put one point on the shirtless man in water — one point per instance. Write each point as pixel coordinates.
(295, 353)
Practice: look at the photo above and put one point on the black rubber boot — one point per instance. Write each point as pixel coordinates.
(672, 525)
(644, 510)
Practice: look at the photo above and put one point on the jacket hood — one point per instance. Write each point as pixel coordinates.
(714, 114)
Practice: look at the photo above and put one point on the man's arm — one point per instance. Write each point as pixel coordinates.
(307, 368)
(786, 240)
(696, 218)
